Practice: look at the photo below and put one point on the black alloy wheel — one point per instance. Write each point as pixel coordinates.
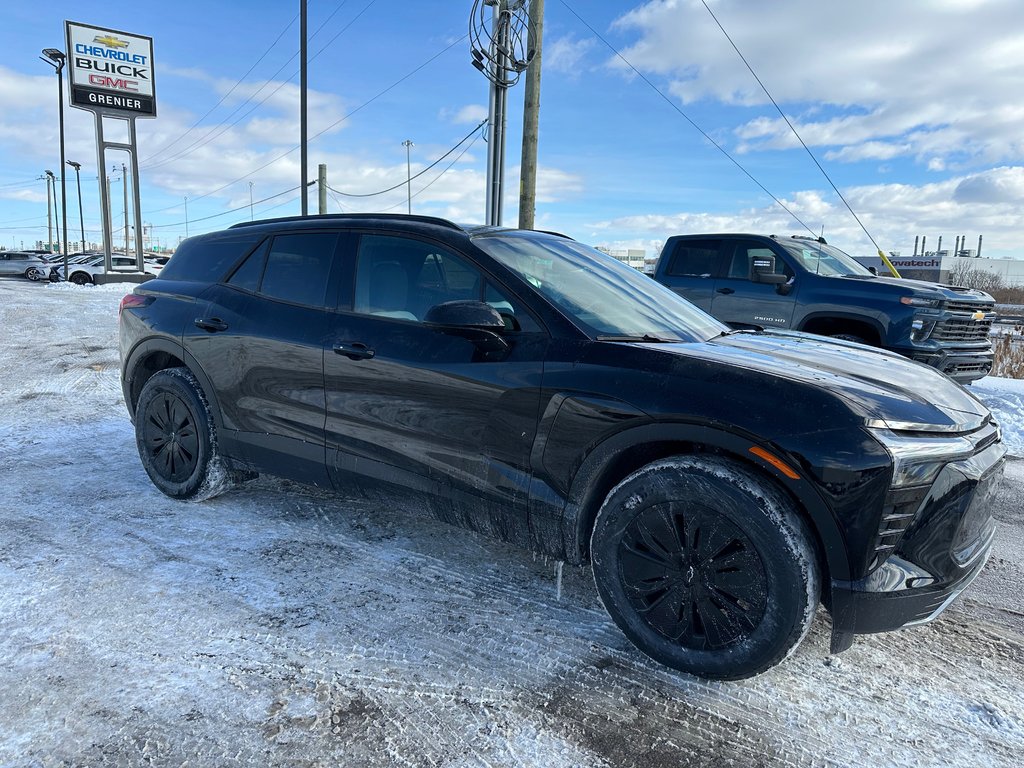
(696, 579)
(170, 437)
(706, 566)
(174, 432)
(80, 278)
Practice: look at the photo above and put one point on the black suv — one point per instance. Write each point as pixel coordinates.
(720, 482)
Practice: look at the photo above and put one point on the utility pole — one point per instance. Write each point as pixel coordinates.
(302, 104)
(250, 201)
(408, 173)
(186, 215)
(53, 185)
(531, 118)
(49, 212)
(321, 182)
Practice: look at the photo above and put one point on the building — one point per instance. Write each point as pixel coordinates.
(938, 266)
(634, 257)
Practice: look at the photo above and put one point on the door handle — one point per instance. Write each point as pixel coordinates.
(211, 324)
(726, 291)
(354, 350)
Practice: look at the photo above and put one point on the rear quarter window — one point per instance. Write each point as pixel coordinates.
(694, 258)
(207, 260)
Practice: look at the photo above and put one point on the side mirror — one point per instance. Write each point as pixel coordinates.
(465, 314)
(762, 270)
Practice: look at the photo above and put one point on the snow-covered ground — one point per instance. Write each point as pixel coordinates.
(282, 625)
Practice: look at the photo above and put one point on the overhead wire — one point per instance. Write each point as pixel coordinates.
(793, 129)
(462, 141)
(442, 173)
(686, 117)
(327, 128)
(190, 222)
(219, 130)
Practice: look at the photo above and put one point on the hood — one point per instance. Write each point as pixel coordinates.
(957, 292)
(880, 386)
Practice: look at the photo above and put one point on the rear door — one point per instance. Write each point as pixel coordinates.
(260, 341)
(739, 301)
(691, 270)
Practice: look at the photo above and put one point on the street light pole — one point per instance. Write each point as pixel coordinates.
(186, 215)
(302, 108)
(78, 180)
(53, 185)
(408, 172)
(56, 59)
(49, 212)
(250, 201)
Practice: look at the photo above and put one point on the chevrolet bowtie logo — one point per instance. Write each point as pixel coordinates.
(978, 315)
(110, 41)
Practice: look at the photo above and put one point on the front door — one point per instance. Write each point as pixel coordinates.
(739, 301)
(427, 407)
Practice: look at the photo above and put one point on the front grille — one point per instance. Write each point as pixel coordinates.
(963, 328)
(970, 306)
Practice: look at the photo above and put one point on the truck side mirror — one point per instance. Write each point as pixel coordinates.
(762, 270)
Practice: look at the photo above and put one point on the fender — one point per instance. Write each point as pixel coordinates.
(868, 320)
(591, 483)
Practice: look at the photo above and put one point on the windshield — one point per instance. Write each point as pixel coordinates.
(825, 260)
(603, 296)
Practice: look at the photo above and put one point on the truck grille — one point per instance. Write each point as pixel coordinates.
(962, 327)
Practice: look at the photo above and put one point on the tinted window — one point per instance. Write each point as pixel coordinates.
(248, 275)
(401, 278)
(739, 263)
(207, 259)
(298, 267)
(694, 258)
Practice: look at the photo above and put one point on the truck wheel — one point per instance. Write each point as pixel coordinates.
(705, 566)
(175, 435)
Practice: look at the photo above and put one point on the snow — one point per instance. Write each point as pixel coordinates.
(1005, 398)
(278, 624)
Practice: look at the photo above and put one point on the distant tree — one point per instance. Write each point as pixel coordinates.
(965, 274)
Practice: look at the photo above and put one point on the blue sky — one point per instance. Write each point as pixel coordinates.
(913, 108)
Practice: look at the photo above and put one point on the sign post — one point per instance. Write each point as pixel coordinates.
(111, 75)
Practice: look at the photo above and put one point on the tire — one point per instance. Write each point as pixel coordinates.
(33, 274)
(80, 278)
(850, 337)
(176, 438)
(706, 567)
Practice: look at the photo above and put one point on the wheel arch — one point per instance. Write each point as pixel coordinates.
(620, 455)
(153, 355)
(831, 323)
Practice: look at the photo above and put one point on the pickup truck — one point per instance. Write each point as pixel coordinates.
(804, 284)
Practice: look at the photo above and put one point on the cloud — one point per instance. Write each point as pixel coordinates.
(566, 55)
(471, 114)
(883, 84)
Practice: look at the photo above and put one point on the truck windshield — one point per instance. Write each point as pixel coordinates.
(825, 260)
(604, 297)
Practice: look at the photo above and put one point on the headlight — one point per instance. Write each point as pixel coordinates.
(920, 301)
(918, 460)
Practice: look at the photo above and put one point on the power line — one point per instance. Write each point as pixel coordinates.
(442, 173)
(225, 213)
(791, 127)
(415, 176)
(329, 127)
(686, 117)
(219, 130)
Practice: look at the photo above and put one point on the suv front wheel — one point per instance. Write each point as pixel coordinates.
(175, 435)
(705, 566)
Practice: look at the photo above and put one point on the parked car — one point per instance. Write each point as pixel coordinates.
(17, 263)
(721, 483)
(84, 272)
(805, 284)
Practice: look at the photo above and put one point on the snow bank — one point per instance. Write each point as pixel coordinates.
(1005, 398)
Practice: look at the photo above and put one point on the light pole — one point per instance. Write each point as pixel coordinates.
(250, 201)
(49, 211)
(408, 172)
(56, 59)
(78, 180)
(186, 215)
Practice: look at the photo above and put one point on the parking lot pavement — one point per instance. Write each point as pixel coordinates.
(284, 625)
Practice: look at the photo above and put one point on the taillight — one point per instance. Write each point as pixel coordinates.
(131, 301)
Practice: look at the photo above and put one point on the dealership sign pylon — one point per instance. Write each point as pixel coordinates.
(111, 75)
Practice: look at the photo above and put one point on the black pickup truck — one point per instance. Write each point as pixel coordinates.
(804, 284)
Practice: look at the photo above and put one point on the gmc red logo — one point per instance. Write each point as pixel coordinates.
(118, 84)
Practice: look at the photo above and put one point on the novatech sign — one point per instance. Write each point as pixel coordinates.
(110, 71)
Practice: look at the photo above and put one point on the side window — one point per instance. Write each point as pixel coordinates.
(401, 278)
(739, 264)
(694, 258)
(247, 276)
(298, 268)
(206, 259)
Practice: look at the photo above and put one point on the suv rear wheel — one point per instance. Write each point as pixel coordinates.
(175, 435)
(705, 566)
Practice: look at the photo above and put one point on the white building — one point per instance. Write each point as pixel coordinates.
(633, 257)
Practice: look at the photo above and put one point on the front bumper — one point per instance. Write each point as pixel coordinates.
(939, 556)
(961, 365)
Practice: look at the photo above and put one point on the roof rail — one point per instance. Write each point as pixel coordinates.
(349, 216)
